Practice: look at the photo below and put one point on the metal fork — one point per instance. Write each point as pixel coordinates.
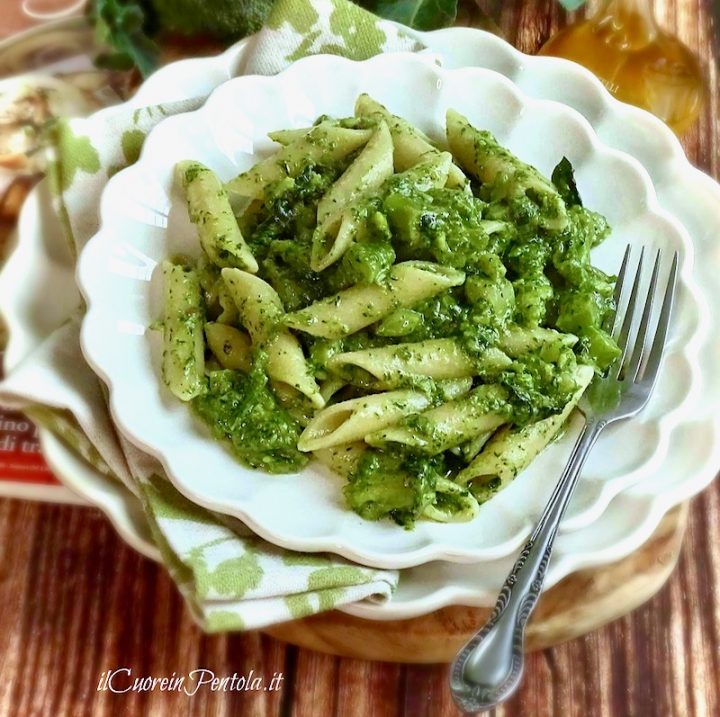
(488, 668)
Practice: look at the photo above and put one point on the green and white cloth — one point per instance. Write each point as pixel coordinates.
(232, 580)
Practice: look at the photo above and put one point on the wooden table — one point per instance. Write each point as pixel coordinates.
(76, 601)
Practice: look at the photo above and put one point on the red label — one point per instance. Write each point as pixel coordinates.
(20, 456)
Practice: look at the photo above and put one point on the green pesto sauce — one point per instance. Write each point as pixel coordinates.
(396, 484)
(400, 485)
(244, 411)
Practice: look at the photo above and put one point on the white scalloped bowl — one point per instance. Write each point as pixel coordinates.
(144, 220)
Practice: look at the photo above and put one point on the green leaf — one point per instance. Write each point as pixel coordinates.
(563, 177)
(418, 14)
(120, 24)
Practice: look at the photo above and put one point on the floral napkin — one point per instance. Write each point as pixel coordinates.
(231, 579)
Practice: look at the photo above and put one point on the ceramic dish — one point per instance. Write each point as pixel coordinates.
(633, 515)
(144, 221)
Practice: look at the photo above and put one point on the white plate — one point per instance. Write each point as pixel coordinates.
(144, 221)
(633, 515)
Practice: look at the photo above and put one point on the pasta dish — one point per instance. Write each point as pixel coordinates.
(421, 317)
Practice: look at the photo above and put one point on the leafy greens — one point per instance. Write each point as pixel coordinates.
(130, 27)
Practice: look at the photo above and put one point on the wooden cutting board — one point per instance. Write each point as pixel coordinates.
(581, 603)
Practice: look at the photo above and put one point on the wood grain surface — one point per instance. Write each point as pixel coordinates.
(581, 603)
(75, 601)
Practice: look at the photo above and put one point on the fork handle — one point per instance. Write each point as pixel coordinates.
(488, 669)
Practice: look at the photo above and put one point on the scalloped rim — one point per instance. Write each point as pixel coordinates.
(425, 549)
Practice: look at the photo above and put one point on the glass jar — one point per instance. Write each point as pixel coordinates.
(636, 60)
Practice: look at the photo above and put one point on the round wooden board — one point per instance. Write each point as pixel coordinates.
(581, 603)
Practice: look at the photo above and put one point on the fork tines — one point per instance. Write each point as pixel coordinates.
(641, 348)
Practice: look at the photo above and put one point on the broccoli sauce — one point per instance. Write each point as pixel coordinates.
(519, 273)
(243, 410)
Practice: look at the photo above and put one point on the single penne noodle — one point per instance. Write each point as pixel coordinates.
(363, 304)
(480, 154)
(435, 358)
(287, 136)
(410, 144)
(367, 172)
(351, 420)
(258, 304)
(183, 359)
(450, 424)
(210, 211)
(448, 388)
(230, 346)
(323, 143)
(342, 460)
(465, 505)
(261, 312)
(517, 341)
(286, 363)
(366, 106)
(511, 450)
(328, 245)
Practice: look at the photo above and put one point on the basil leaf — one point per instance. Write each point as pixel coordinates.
(563, 177)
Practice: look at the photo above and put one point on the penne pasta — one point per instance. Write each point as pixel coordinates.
(210, 211)
(342, 460)
(288, 136)
(450, 424)
(183, 357)
(511, 450)
(411, 146)
(232, 348)
(258, 304)
(518, 341)
(430, 313)
(352, 420)
(336, 222)
(359, 306)
(434, 358)
(453, 504)
(325, 143)
(480, 154)
(261, 312)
